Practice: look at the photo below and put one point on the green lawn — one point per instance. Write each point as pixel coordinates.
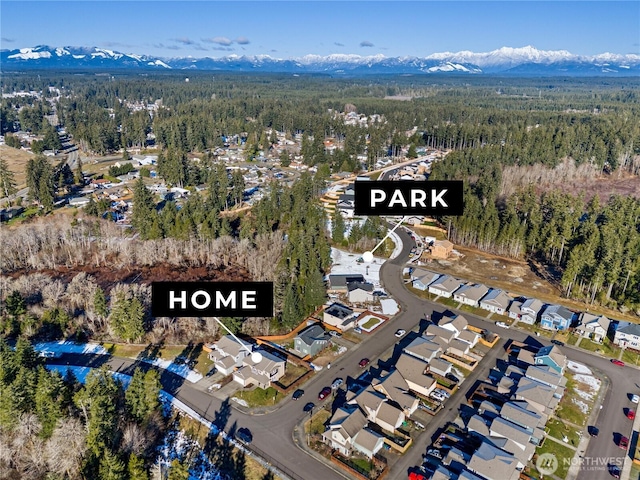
(424, 294)
(604, 348)
(556, 428)
(316, 424)
(291, 374)
(449, 302)
(259, 397)
(568, 409)
(475, 310)
(371, 323)
(573, 339)
(362, 463)
(562, 453)
(631, 357)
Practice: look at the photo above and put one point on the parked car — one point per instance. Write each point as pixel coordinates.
(244, 435)
(614, 471)
(631, 414)
(442, 392)
(298, 394)
(623, 443)
(214, 387)
(434, 452)
(593, 431)
(308, 407)
(558, 342)
(363, 363)
(333, 333)
(400, 333)
(324, 393)
(502, 324)
(635, 399)
(337, 383)
(357, 330)
(452, 377)
(615, 361)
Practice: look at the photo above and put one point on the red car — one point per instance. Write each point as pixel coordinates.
(324, 393)
(364, 362)
(624, 443)
(631, 414)
(617, 362)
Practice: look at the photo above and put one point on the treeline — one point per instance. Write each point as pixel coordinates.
(55, 427)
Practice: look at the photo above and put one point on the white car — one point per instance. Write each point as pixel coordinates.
(635, 399)
(400, 333)
(502, 324)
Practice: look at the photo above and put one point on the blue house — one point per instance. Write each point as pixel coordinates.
(556, 317)
(552, 357)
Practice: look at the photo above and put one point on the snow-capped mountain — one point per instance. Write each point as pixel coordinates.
(504, 61)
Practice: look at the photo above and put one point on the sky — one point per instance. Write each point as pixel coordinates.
(287, 29)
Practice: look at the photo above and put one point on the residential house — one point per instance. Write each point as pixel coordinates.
(455, 324)
(628, 336)
(440, 367)
(496, 301)
(444, 286)
(412, 370)
(547, 375)
(423, 348)
(396, 389)
(269, 369)
(517, 439)
(540, 396)
(514, 311)
(458, 348)
(377, 410)
(556, 317)
(441, 249)
(470, 294)
(339, 282)
(423, 278)
(227, 354)
(443, 335)
(492, 463)
(470, 337)
(527, 417)
(344, 425)
(311, 340)
(360, 292)
(530, 310)
(336, 314)
(594, 327)
(368, 442)
(551, 356)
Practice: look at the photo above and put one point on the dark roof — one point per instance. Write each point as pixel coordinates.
(339, 311)
(367, 287)
(341, 280)
(312, 334)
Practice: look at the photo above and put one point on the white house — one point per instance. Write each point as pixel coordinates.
(628, 335)
(227, 354)
(592, 326)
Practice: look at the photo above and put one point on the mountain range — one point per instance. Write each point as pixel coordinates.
(524, 61)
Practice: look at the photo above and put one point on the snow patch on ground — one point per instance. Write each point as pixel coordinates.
(389, 306)
(345, 262)
(593, 382)
(587, 396)
(240, 401)
(70, 347)
(584, 408)
(182, 370)
(578, 368)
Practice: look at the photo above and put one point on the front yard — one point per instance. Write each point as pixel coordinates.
(259, 397)
(558, 429)
(605, 348)
(563, 454)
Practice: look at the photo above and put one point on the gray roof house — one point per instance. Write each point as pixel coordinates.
(470, 337)
(592, 326)
(412, 370)
(628, 336)
(496, 301)
(455, 324)
(396, 389)
(269, 369)
(227, 354)
(335, 314)
(514, 311)
(547, 375)
(444, 286)
(493, 463)
(444, 333)
(470, 294)
(540, 396)
(368, 442)
(343, 427)
(556, 317)
(551, 356)
(339, 282)
(440, 367)
(311, 340)
(423, 349)
(530, 309)
(423, 278)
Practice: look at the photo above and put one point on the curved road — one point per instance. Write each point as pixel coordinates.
(272, 432)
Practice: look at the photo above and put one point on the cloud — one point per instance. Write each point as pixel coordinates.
(219, 40)
(223, 49)
(200, 47)
(168, 47)
(184, 41)
(366, 43)
(242, 41)
(7, 40)
(110, 44)
(338, 44)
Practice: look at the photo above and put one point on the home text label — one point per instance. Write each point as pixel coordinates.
(386, 197)
(212, 299)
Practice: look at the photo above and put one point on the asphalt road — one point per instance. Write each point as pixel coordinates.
(272, 432)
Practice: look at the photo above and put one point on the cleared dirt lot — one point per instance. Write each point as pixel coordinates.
(17, 161)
